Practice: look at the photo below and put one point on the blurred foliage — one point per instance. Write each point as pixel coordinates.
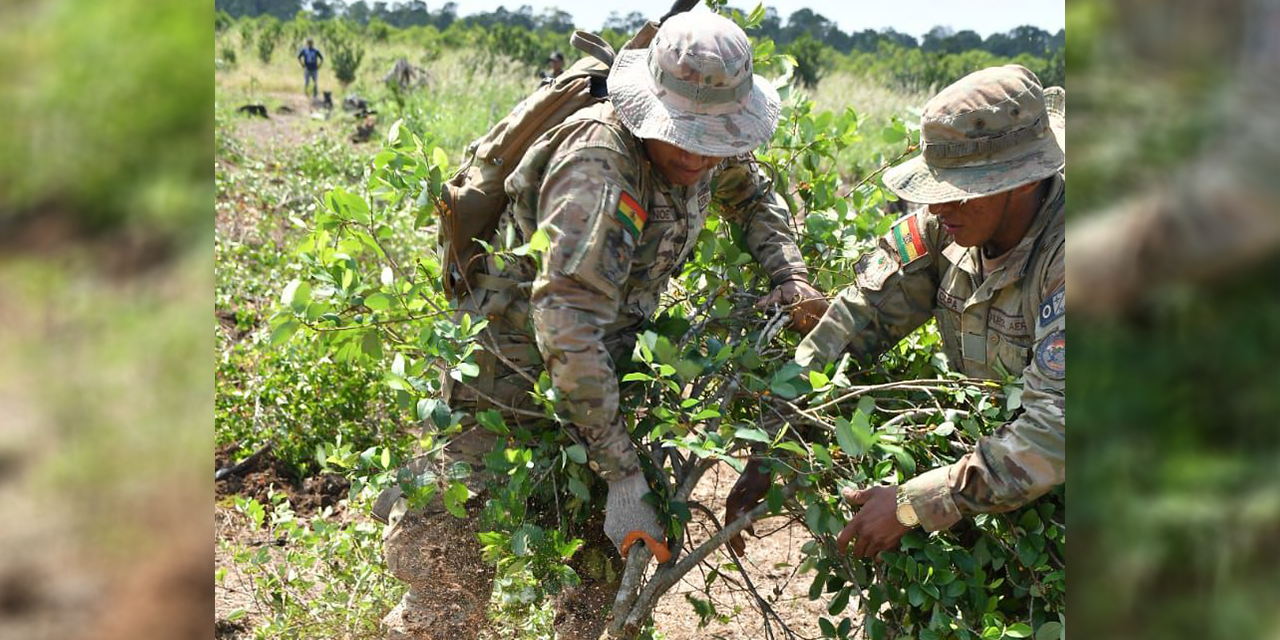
(105, 272)
(113, 136)
(808, 55)
(1173, 408)
(346, 54)
(269, 31)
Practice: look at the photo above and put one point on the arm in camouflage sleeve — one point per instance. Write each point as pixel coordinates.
(889, 300)
(577, 293)
(745, 195)
(1023, 459)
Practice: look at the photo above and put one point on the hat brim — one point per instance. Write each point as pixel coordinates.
(917, 181)
(635, 98)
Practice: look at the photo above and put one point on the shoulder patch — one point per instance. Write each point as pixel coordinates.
(1051, 355)
(908, 238)
(1054, 306)
(631, 215)
(874, 268)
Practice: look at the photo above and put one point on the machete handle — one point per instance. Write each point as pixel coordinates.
(658, 549)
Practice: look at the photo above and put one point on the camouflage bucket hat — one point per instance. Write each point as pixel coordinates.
(991, 131)
(693, 87)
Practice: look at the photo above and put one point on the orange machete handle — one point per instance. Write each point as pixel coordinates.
(658, 549)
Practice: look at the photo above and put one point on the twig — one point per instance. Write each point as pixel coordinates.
(626, 620)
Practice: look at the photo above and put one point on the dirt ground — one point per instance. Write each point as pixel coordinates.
(770, 563)
(85, 557)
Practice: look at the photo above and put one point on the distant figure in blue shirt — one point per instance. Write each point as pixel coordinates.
(310, 58)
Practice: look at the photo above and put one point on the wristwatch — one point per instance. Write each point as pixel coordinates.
(906, 513)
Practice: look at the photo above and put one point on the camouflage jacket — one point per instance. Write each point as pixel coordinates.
(618, 232)
(1014, 320)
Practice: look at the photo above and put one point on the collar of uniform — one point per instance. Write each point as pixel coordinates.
(966, 258)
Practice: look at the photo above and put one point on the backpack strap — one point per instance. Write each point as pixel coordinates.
(593, 45)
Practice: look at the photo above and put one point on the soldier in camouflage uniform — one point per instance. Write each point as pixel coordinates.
(621, 190)
(985, 257)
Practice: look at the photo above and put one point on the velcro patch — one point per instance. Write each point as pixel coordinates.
(1054, 306)
(906, 237)
(1051, 355)
(631, 215)
(874, 268)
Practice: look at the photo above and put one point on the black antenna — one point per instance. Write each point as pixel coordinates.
(679, 6)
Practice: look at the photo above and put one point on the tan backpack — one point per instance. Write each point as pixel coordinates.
(473, 200)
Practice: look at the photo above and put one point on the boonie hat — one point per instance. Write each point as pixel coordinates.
(989, 132)
(693, 87)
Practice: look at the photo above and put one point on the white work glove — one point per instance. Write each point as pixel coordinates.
(628, 518)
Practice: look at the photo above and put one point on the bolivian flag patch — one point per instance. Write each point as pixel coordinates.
(908, 240)
(631, 215)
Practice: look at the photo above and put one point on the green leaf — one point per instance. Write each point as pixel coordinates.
(297, 294)
(828, 629)
(895, 133)
(378, 302)
(539, 242)
(468, 369)
(371, 344)
(915, 595)
(1049, 631)
(439, 158)
(386, 458)
(283, 332)
(788, 445)
(577, 488)
(1030, 522)
(818, 379)
(520, 542)
(455, 499)
(844, 435)
(492, 421)
(813, 518)
(840, 601)
(577, 453)
(1018, 630)
(751, 433)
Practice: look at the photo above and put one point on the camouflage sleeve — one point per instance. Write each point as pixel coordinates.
(894, 292)
(745, 195)
(582, 209)
(1023, 459)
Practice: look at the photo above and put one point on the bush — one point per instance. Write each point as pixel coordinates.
(346, 55)
(268, 34)
(228, 55)
(809, 56)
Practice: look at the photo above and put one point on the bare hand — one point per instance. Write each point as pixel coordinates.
(807, 304)
(875, 525)
(746, 493)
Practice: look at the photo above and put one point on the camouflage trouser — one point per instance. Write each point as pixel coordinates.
(439, 556)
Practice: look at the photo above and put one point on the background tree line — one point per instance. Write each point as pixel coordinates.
(939, 57)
